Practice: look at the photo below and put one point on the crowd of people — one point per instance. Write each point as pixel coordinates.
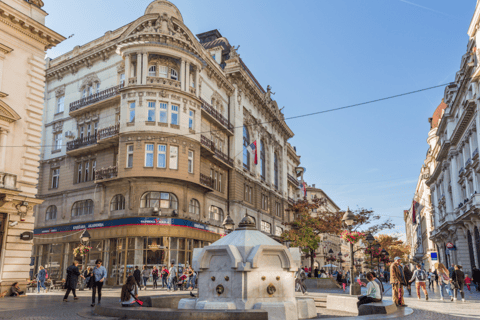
(173, 278)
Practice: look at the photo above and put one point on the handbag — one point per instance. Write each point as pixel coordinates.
(453, 285)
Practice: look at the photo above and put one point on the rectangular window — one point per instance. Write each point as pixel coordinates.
(60, 104)
(58, 141)
(94, 168)
(55, 178)
(220, 182)
(278, 231)
(97, 89)
(278, 209)
(81, 132)
(90, 91)
(132, 111)
(215, 180)
(122, 78)
(190, 161)
(162, 71)
(149, 155)
(129, 155)
(151, 111)
(173, 157)
(95, 128)
(79, 176)
(89, 129)
(191, 120)
(174, 115)
(163, 113)
(266, 227)
(162, 156)
(87, 171)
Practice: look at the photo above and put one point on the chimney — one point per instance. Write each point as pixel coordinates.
(313, 185)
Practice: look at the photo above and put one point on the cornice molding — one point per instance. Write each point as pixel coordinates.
(4, 49)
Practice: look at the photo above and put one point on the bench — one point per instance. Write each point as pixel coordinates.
(383, 307)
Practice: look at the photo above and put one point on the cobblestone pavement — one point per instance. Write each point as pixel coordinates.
(50, 305)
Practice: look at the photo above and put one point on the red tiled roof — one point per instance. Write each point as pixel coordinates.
(438, 114)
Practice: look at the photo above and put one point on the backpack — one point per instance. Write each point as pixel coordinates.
(421, 275)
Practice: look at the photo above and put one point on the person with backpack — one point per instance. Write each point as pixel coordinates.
(172, 278)
(420, 276)
(164, 275)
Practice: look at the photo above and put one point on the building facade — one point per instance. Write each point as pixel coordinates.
(149, 127)
(419, 228)
(23, 41)
(454, 183)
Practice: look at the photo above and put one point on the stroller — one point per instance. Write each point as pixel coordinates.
(182, 282)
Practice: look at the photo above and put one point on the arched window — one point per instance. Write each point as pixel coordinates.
(275, 170)
(163, 71)
(82, 208)
(194, 206)
(152, 71)
(262, 160)
(160, 200)
(246, 143)
(216, 213)
(117, 203)
(173, 74)
(51, 213)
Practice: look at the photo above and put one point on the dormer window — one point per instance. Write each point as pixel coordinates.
(152, 71)
(174, 74)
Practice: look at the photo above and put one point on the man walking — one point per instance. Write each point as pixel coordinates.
(172, 274)
(476, 277)
(397, 279)
(137, 275)
(419, 276)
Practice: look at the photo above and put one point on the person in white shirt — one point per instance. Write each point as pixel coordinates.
(374, 293)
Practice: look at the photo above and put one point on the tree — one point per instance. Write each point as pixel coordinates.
(367, 222)
(310, 220)
(394, 246)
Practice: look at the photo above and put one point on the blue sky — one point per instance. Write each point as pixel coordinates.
(318, 55)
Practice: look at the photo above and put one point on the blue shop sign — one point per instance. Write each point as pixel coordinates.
(433, 256)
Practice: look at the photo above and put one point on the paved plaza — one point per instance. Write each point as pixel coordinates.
(45, 306)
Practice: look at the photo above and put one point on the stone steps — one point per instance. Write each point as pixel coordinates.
(320, 302)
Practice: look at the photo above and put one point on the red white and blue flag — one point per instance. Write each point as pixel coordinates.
(252, 148)
(304, 188)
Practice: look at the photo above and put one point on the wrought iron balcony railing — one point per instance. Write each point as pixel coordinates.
(215, 114)
(109, 132)
(99, 96)
(106, 173)
(206, 180)
(292, 179)
(81, 142)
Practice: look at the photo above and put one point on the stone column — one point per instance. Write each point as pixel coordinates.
(197, 81)
(182, 74)
(128, 65)
(3, 149)
(139, 68)
(145, 68)
(187, 77)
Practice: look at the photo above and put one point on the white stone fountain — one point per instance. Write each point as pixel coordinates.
(248, 270)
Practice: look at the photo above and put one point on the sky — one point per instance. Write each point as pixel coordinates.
(319, 55)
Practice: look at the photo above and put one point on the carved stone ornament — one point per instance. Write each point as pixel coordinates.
(38, 3)
(121, 67)
(220, 289)
(60, 91)
(271, 289)
(57, 126)
(89, 81)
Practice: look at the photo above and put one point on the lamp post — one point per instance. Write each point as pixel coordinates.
(349, 218)
(370, 239)
(228, 224)
(330, 252)
(84, 238)
(340, 259)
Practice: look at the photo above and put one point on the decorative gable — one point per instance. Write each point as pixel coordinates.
(7, 113)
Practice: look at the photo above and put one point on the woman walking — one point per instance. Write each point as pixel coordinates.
(99, 276)
(41, 279)
(88, 274)
(155, 277)
(444, 280)
(164, 275)
(145, 276)
(458, 280)
(72, 280)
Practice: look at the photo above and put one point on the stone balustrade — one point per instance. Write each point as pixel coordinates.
(8, 180)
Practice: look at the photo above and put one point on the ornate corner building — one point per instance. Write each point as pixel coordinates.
(454, 182)
(23, 41)
(148, 127)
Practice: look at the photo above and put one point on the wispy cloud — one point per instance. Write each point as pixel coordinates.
(426, 8)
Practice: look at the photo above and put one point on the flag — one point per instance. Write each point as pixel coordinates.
(416, 209)
(304, 188)
(414, 218)
(252, 148)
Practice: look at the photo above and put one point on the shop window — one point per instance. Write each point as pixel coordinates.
(82, 208)
(117, 203)
(216, 213)
(51, 213)
(163, 200)
(194, 207)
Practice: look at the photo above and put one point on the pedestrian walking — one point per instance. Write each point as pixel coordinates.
(145, 276)
(430, 277)
(164, 275)
(436, 276)
(155, 277)
(458, 281)
(408, 275)
(419, 276)
(468, 281)
(172, 276)
(99, 276)
(476, 277)
(71, 281)
(397, 279)
(41, 279)
(138, 276)
(444, 280)
(373, 291)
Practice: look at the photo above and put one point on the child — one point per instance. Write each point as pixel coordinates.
(468, 281)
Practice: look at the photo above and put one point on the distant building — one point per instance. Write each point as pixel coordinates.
(23, 41)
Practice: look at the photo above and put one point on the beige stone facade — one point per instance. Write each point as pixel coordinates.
(23, 41)
(149, 127)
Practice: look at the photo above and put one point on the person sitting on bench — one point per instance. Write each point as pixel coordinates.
(374, 293)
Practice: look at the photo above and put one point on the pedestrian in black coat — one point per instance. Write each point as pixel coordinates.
(72, 280)
(138, 277)
(476, 277)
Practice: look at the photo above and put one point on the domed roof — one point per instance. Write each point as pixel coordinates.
(164, 6)
(438, 114)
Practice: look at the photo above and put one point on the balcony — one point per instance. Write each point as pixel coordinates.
(291, 201)
(109, 132)
(209, 146)
(94, 98)
(293, 180)
(81, 142)
(170, 83)
(219, 118)
(106, 173)
(206, 181)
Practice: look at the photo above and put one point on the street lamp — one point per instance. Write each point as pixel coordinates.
(349, 219)
(340, 259)
(228, 224)
(84, 238)
(330, 252)
(370, 239)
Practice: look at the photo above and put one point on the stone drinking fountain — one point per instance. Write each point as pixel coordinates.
(248, 270)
